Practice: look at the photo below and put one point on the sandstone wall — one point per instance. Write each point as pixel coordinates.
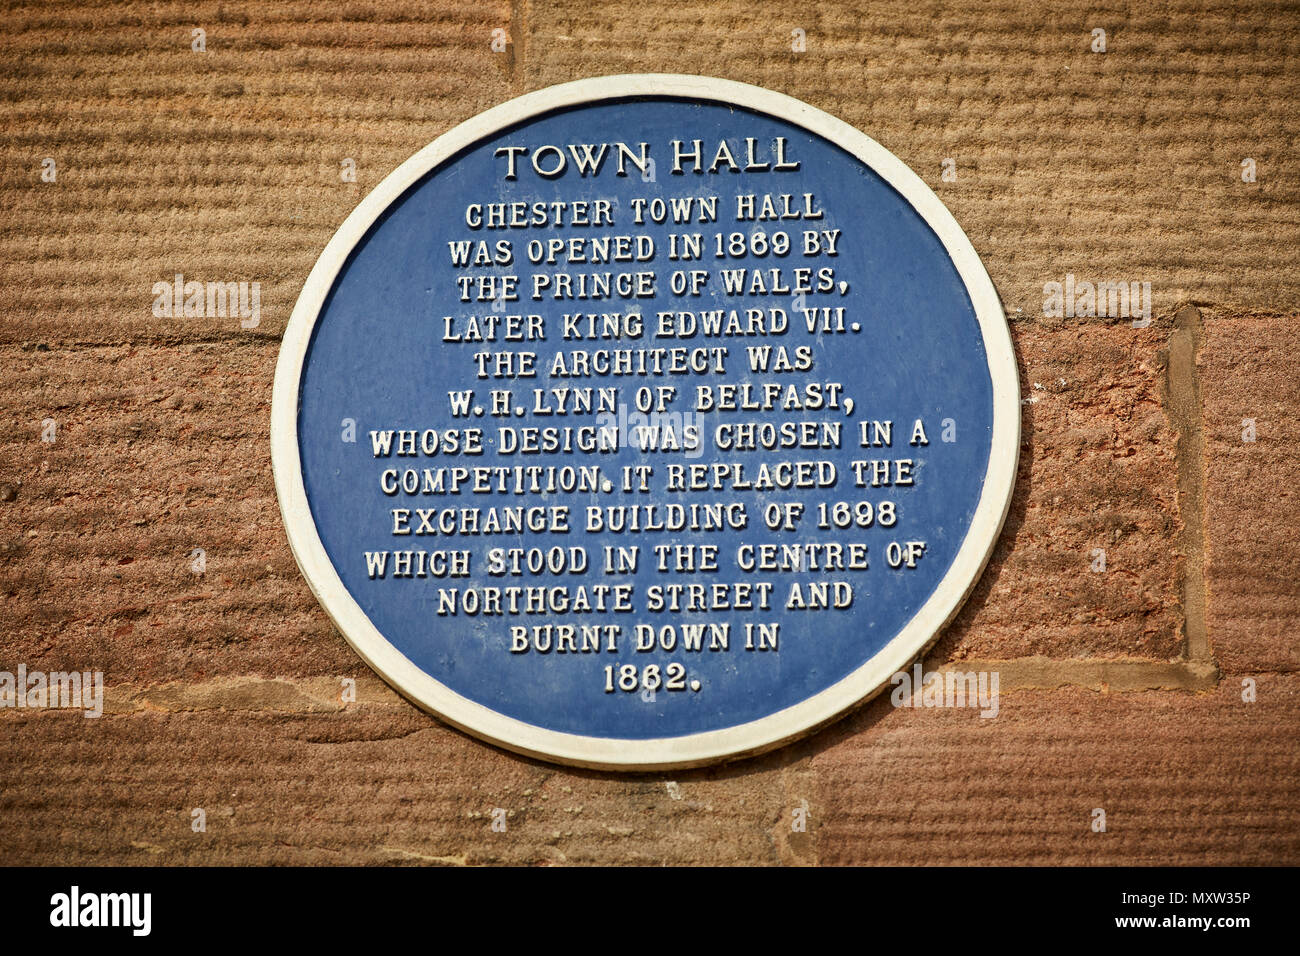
(1122, 690)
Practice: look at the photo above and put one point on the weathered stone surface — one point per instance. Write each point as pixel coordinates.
(159, 453)
(222, 686)
(1184, 778)
(222, 165)
(1117, 165)
(1096, 472)
(1251, 374)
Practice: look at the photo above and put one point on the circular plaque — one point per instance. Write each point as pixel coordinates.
(645, 421)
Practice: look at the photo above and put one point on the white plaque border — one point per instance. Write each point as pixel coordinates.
(693, 749)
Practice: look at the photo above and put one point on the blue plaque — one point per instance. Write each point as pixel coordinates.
(645, 421)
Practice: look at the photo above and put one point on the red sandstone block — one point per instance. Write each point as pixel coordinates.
(1250, 373)
(1097, 473)
(225, 165)
(1204, 779)
(163, 451)
(159, 453)
(1183, 778)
